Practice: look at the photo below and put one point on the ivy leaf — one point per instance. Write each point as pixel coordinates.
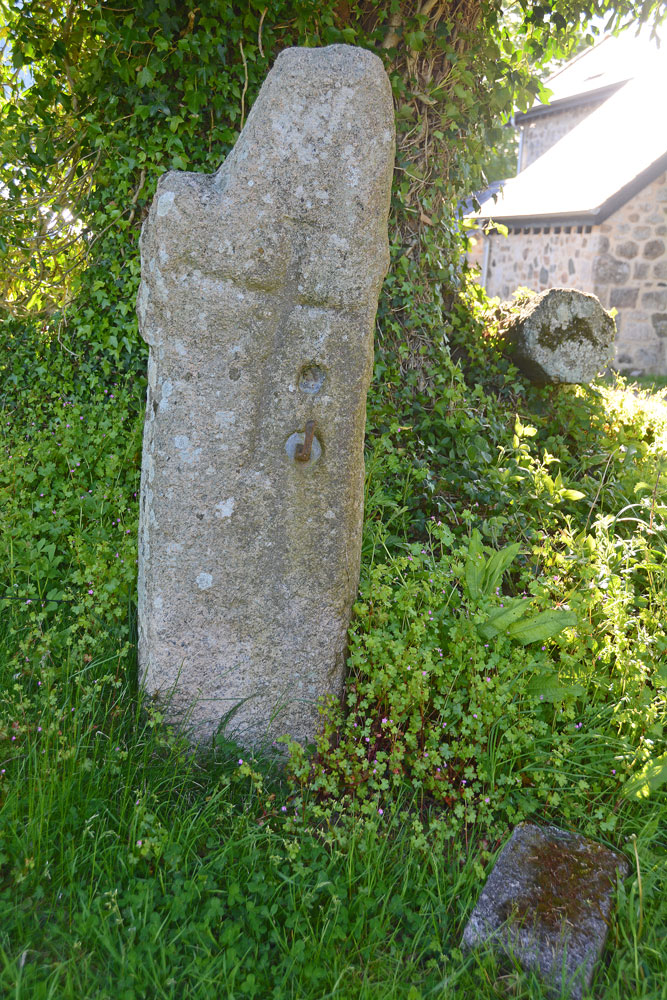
(144, 77)
(415, 40)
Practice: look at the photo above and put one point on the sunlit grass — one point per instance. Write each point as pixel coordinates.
(130, 867)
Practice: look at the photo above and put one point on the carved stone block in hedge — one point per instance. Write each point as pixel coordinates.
(562, 335)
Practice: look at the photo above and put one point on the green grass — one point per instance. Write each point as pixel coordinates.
(131, 868)
(654, 383)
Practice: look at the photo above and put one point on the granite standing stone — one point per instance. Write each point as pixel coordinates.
(258, 298)
(562, 335)
(547, 902)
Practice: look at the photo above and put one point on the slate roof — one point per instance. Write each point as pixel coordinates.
(598, 72)
(599, 165)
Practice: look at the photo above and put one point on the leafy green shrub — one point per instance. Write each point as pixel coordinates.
(451, 681)
(70, 437)
(565, 489)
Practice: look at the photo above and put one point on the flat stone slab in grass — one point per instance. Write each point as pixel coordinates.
(562, 335)
(547, 903)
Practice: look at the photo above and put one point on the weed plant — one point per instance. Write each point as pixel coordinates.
(506, 661)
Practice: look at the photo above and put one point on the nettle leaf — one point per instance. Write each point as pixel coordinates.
(542, 626)
(652, 776)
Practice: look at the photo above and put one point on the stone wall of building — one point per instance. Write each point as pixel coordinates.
(623, 261)
(630, 275)
(543, 132)
(540, 258)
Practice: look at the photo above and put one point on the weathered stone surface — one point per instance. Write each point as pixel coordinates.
(258, 298)
(623, 298)
(562, 336)
(655, 299)
(628, 249)
(654, 248)
(609, 271)
(659, 323)
(547, 902)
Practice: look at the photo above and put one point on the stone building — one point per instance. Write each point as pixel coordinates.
(588, 208)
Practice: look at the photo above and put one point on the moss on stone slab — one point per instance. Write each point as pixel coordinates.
(578, 329)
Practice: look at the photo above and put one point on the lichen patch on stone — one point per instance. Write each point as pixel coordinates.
(225, 508)
(165, 202)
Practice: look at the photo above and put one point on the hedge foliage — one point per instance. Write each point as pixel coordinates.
(99, 101)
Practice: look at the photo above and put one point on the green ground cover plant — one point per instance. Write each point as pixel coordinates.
(467, 640)
(507, 654)
(507, 661)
